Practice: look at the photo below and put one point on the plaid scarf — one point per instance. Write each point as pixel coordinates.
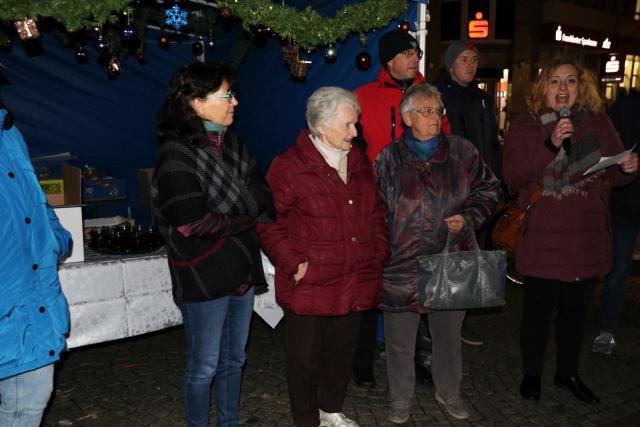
(563, 176)
(224, 177)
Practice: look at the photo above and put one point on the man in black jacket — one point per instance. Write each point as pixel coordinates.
(625, 222)
(469, 109)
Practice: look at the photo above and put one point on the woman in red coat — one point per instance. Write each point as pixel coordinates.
(329, 245)
(566, 243)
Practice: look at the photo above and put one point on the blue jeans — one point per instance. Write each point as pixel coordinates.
(23, 397)
(216, 333)
(624, 242)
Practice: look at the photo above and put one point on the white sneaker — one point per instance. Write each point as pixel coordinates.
(454, 406)
(399, 413)
(604, 343)
(335, 419)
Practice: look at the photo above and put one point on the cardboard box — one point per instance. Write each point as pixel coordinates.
(144, 180)
(65, 190)
(71, 218)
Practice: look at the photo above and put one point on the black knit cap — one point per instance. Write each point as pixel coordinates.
(394, 42)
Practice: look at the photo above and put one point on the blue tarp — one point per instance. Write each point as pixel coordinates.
(63, 106)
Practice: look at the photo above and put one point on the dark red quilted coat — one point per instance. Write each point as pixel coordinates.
(339, 228)
(565, 239)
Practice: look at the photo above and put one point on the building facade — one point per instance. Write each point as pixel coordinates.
(516, 37)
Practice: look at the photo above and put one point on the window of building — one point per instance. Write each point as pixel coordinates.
(451, 11)
(631, 72)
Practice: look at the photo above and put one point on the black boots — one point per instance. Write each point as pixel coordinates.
(577, 387)
(530, 388)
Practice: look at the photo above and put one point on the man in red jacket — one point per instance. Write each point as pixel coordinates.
(380, 117)
(379, 125)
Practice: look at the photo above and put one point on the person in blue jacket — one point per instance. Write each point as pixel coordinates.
(34, 317)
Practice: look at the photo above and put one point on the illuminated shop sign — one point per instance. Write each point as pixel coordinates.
(582, 40)
(478, 28)
(613, 67)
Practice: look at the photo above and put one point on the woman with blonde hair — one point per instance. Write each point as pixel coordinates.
(566, 242)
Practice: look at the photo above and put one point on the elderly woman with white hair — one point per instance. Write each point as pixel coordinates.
(329, 245)
(432, 185)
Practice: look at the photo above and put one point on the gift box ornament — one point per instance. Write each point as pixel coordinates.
(27, 29)
(298, 69)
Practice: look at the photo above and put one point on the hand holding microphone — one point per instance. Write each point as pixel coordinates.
(563, 131)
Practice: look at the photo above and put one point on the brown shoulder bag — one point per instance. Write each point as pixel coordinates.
(508, 228)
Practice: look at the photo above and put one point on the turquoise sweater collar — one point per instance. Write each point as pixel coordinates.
(423, 149)
(214, 127)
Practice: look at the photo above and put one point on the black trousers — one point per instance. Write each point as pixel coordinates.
(319, 357)
(541, 297)
(366, 350)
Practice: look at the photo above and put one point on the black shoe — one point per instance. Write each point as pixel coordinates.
(364, 378)
(577, 387)
(530, 387)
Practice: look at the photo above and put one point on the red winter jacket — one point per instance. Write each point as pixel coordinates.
(376, 100)
(339, 228)
(565, 237)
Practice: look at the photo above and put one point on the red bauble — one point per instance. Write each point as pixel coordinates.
(226, 12)
(405, 26)
(363, 61)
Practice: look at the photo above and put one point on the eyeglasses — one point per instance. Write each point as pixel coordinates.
(410, 52)
(427, 111)
(228, 96)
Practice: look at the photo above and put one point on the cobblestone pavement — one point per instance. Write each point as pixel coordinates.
(137, 382)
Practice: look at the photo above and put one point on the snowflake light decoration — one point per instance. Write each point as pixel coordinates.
(176, 17)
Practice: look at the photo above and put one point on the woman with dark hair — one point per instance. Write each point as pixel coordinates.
(207, 198)
(566, 243)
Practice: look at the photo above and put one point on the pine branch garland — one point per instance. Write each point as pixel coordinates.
(308, 28)
(73, 14)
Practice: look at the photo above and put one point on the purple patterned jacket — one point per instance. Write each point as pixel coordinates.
(418, 196)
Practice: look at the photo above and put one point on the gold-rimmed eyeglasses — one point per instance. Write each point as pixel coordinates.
(427, 111)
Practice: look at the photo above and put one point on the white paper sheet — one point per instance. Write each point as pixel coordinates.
(605, 162)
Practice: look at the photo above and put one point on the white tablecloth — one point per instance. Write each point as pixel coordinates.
(111, 298)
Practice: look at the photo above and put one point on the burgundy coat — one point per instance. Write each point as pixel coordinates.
(339, 228)
(565, 238)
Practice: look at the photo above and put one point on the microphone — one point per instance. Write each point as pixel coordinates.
(565, 113)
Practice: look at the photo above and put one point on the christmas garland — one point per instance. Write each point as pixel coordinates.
(307, 27)
(73, 14)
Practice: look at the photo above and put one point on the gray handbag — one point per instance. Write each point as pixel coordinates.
(462, 280)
